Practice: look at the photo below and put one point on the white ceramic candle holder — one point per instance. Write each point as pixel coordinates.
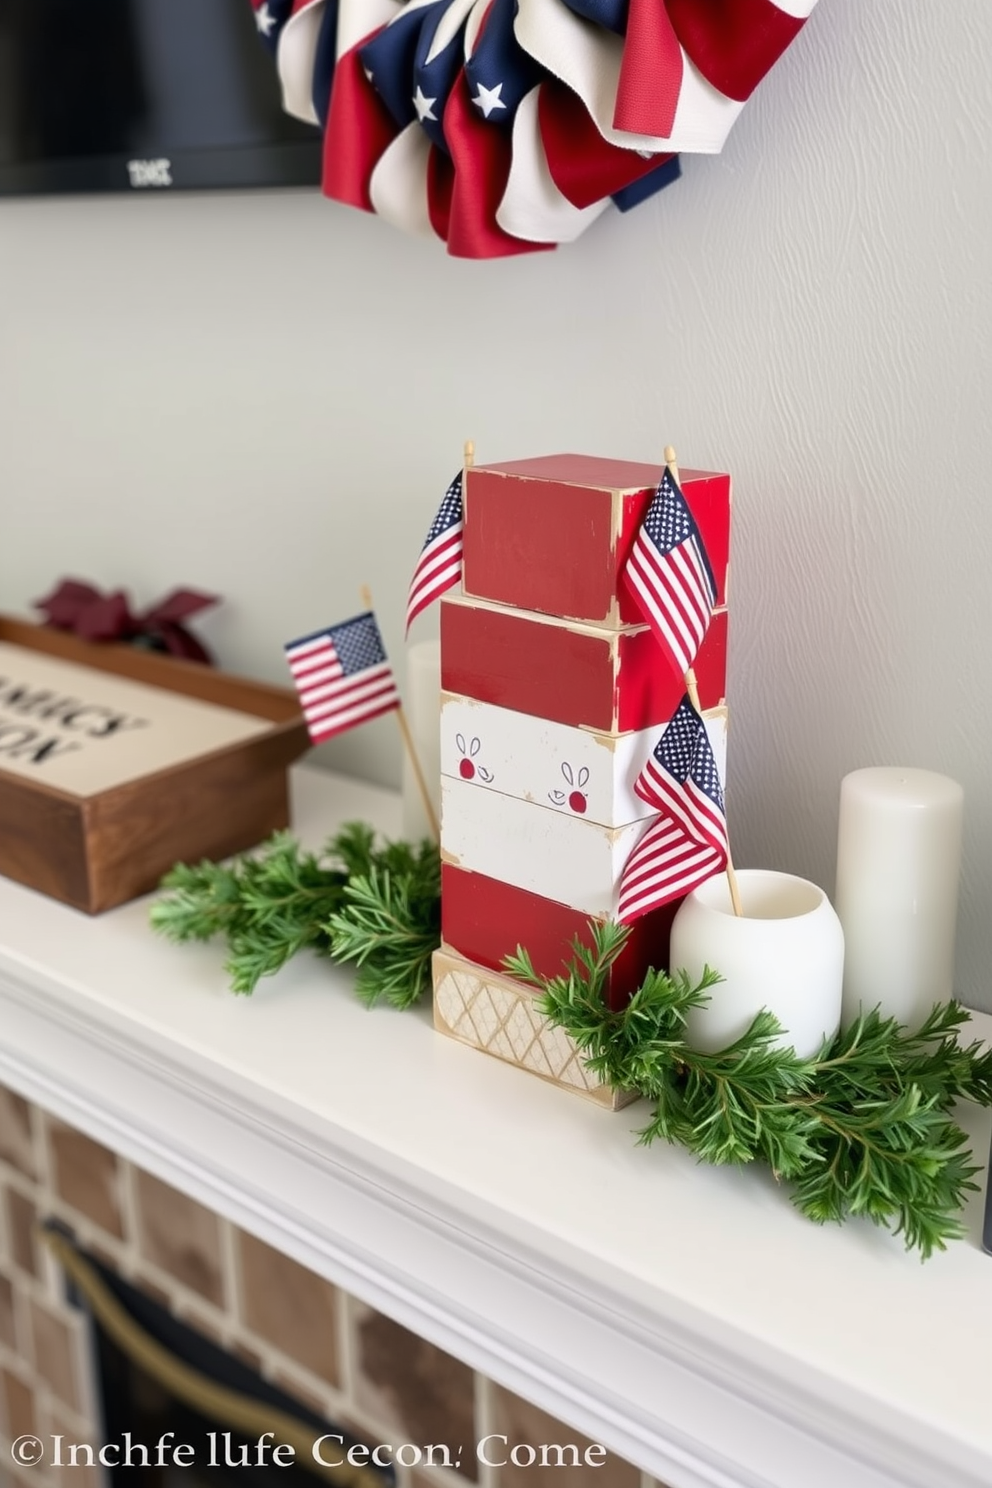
(785, 953)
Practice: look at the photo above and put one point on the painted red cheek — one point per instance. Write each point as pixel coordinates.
(466, 769)
(577, 801)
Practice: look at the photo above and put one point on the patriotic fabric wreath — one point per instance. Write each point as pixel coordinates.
(509, 126)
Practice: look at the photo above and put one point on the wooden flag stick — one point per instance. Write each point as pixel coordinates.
(410, 748)
(693, 691)
(469, 454)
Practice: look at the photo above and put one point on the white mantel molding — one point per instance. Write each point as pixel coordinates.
(686, 1317)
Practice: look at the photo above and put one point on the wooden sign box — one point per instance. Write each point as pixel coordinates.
(98, 850)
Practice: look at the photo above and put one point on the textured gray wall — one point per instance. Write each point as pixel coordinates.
(266, 394)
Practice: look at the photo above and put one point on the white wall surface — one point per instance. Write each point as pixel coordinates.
(265, 395)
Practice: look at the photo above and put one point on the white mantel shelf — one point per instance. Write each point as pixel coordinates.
(686, 1317)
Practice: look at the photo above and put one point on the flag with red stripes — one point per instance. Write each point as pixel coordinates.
(670, 575)
(440, 562)
(343, 676)
(688, 842)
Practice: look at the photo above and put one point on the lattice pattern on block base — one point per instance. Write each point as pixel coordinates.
(498, 1015)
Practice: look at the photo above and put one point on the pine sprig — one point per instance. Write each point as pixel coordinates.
(862, 1129)
(389, 924)
(270, 906)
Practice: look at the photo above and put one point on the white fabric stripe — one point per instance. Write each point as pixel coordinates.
(677, 575)
(302, 649)
(307, 677)
(448, 26)
(398, 185)
(693, 576)
(322, 707)
(707, 587)
(295, 54)
(661, 847)
(660, 619)
(334, 726)
(681, 812)
(668, 872)
(441, 547)
(435, 585)
(533, 208)
(587, 58)
(356, 18)
(342, 683)
(716, 820)
(800, 10)
(667, 602)
(653, 852)
(684, 883)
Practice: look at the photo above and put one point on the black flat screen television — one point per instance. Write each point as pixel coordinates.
(125, 95)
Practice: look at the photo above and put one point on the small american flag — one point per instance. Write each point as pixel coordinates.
(343, 676)
(440, 562)
(670, 574)
(688, 843)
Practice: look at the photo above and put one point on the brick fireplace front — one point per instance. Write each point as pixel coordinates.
(326, 1349)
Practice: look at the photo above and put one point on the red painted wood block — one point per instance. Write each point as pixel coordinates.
(552, 534)
(613, 681)
(485, 920)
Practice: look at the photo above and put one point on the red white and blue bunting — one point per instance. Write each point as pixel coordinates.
(508, 126)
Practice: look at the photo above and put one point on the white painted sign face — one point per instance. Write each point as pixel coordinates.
(84, 731)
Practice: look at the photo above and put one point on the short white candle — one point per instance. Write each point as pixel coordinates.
(898, 864)
(422, 701)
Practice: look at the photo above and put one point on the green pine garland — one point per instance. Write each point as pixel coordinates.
(376, 905)
(864, 1128)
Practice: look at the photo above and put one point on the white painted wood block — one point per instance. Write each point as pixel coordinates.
(563, 857)
(575, 771)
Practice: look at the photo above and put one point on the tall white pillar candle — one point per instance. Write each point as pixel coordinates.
(898, 864)
(422, 701)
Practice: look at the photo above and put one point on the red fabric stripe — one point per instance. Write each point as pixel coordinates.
(650, 72)
(584, 166)
(323, 731)
(359, 696)
(733, 42)
(481, 155)
(440, 184)
(359, 127)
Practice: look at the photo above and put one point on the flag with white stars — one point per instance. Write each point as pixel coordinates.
(438, 62)
(688, 842)
(499, 72)
(389, 59)
(440, 562)
(270, 17)
(670, 575)
(343, 676)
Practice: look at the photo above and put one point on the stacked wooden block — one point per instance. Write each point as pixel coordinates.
(554, 693)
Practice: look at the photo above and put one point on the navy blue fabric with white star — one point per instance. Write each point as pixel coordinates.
(435, 77)
(500, 65)
(270, 18)
(685, 752)
(390, 58)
